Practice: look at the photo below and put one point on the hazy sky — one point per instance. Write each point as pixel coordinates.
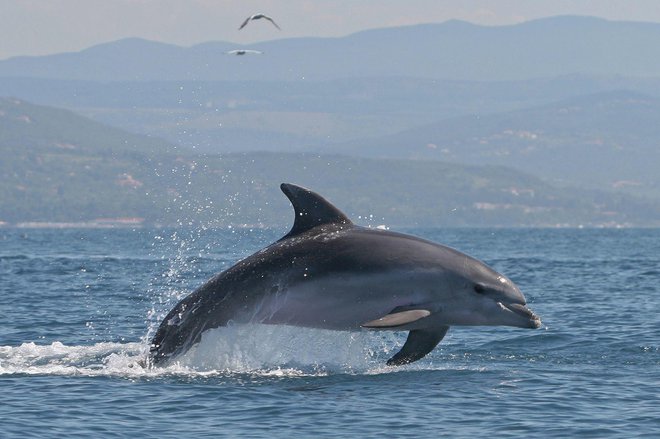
(37, 27)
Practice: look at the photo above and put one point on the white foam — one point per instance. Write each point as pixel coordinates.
(250, 348)
(262, 350)
(59, 359)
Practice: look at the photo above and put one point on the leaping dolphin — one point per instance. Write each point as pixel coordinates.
(329, 273)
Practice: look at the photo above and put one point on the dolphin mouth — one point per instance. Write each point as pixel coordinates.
(533, 321)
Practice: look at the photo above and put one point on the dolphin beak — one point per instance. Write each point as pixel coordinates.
(531, 320)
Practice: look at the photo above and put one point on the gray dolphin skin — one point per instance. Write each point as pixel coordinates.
(329, 273)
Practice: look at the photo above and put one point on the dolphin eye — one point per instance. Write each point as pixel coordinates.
(479, 289)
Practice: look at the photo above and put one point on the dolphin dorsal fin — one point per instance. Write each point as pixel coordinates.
(311, 209)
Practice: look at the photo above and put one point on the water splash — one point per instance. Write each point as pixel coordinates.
(258, 350)
(252, 347)
(100, 359)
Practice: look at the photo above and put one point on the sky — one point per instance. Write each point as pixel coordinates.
(40, 27)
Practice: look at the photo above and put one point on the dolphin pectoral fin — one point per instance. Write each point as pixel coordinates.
(396, 319)
(419, 343)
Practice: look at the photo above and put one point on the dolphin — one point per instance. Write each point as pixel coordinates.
(332, 274)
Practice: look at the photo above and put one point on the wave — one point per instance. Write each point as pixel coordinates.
(256, 350)
(100, 359)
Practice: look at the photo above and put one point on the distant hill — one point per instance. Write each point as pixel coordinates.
(45, 129)
(57, 165)
(239, 116)
(607, 140)
(541, 48)
(66, 168)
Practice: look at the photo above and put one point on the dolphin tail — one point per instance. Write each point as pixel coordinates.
(419, 343)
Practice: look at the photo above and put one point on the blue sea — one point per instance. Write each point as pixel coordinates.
(77, 307)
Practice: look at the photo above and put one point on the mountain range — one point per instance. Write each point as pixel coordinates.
(564, 108)
(60, 167)
(576, 131)
(607, 140)
(541, 48)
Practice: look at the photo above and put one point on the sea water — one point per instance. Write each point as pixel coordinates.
(77, 307)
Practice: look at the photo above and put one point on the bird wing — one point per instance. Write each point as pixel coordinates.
(247, 20)
(272, 21)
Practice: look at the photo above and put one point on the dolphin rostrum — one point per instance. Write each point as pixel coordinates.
(329, 273)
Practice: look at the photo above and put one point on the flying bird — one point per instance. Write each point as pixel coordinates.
(244, 52)
(257, 17)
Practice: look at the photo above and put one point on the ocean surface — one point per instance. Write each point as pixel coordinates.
(77, 307)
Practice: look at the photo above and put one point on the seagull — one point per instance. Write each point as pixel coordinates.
(244, 52)
(257, 17)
